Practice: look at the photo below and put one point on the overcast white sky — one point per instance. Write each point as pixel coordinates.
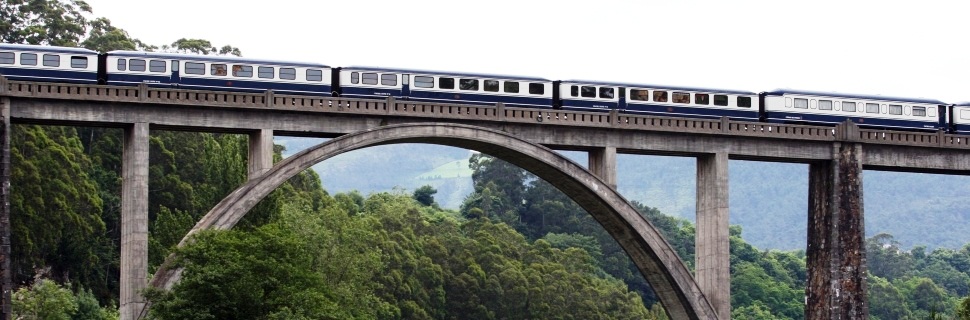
(905, 48)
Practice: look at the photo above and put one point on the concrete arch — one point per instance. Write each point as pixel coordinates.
(657, 261)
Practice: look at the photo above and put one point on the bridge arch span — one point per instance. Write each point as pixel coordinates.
(656, 260)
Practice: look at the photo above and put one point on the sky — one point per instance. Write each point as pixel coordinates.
(892, 48)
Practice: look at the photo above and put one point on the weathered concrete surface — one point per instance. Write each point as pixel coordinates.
(659, 264)
(6, 283)
(260, 152)
(836, 258)
(602, 163)
(134, 221)
(924, 160)
(712, 254)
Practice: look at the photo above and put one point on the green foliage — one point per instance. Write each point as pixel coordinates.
(202, 46)
(425, 195)
(45, 300)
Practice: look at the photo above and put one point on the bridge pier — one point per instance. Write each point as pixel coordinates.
(260, 152)
(712, 239)
(134, 221)
(602, 163)
(836, 258)
(6, 283)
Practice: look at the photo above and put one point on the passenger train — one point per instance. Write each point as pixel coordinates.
(131, 68)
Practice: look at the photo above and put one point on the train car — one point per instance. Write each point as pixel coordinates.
(808, 107)
(45, 63)
(659, 100)
(216, 73)
(445, 87)
(959, 118)
(582, 95)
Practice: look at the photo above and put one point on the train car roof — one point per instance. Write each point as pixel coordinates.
(854, 96)
(198, 57)
(39, 48)
(446, 73)
(962, 104)
(663, 87)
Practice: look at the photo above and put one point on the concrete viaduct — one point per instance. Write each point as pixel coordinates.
(836, 157)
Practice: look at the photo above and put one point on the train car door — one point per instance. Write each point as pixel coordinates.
(176, 77)
(405, 86)
(621, 103)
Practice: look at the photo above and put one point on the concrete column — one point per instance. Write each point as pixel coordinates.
(836, 258)
(260, 152)
(6, 284)
(712, 252)
(134, 221)
(602, 163)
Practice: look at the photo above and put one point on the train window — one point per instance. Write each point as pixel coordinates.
(7, 57)
(872, 108)
(389, 79)
(122, 65)
(681, 97)
(537, 88)
(848, 106)
(965, 114)
(587, 92)
(606, 93)
(354, 78)
(825, 104)
(193, 68)
(28, 59)
(660, 96)
(288, 73)
(468, 84)
(79, 62)
(244, 71)
(52, 60)
(311, 74)
(574, 91)
(895, 109)
(744, 102)
(919, 111)
(511, 87)
(156, 65)
(641, 95)
(491, 85)
(446, 83)
(801, 103)
(136, 65)
(267, 72)
(720, 100)
(424, 82)
(218, 69)
(368, 78)
(702, 98)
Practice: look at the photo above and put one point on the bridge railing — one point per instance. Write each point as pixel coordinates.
(465, 112)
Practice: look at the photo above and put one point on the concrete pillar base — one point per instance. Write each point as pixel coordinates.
(134, 221)
(712, 240)
(836, 257)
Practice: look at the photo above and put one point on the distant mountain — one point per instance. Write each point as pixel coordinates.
(768, 200)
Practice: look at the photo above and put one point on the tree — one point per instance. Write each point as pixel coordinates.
(425, 195)
(45, 300)
(54, 22)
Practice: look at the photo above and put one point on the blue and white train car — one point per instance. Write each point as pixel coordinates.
(960, 118)
(50, 64)
(792, 106)
(445, 87)
(217, 73)
(581, 95)
(659, 100)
